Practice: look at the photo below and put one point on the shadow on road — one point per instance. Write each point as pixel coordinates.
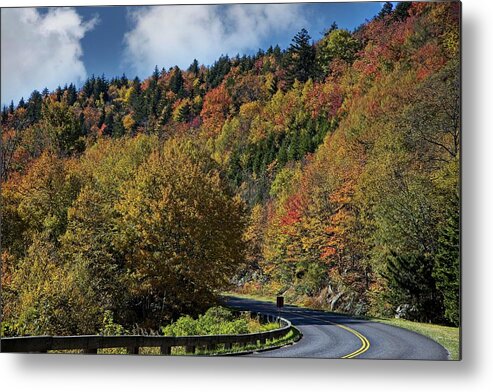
(297, 315)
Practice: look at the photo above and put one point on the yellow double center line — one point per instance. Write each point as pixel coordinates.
(365, 343)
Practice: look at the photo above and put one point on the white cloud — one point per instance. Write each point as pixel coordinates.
(41, 50)
(175, 35)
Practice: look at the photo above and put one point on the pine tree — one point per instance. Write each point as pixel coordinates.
(136, 102)
(152, 95)
(88, 87)
(101, 118)
(194, 67)
(305, 143)
(182, 111)
(447, 265)
(118, 128)
(71, 94)
(218, 71)
(176, 82)
(101, 88)
(109, 123)
(301, 58)
(124, 80)
(411, 282)
(294, 146)
(165, 111)
(332, 28)
(34, 106)
(155, 74)
(386, 10)
(401, 10)
(282, 156)
(277, 52)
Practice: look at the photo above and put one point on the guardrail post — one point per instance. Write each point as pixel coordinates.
(210, 347)
(190, 349)
(133, 350)
(165, 350)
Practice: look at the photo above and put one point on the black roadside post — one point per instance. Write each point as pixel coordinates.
(280, 305)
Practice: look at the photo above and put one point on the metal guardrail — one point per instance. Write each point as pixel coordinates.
(90, 344)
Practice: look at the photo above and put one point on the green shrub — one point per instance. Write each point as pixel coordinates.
(110, 328)
(216, 321)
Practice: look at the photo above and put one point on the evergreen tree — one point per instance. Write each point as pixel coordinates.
(194, 67)
(71, 94)
(257, 160)
(246, 63)
(136, 102)
(385, 11)
(152, 96)
(301, 58)
(294, 146)
(447, 264)
(218, 71)
(332, 28)
(88, 87)
(101, 89)
(4, 113)
(109, 123)
(401, 10)
(34, 106)
(411, 282)
(182, 112)
(282, 156)
(58, 94)
(277, 52)
(124, 80)
(101, 118)
(165, 110)
(155, 74)
(176, 82)
(271, 148)
(305, 143)
(118, 128)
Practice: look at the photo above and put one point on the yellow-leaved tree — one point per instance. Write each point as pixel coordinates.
(180, 231)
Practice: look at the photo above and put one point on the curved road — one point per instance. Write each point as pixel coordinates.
(329, 335)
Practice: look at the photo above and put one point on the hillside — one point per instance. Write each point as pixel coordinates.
(327, 172)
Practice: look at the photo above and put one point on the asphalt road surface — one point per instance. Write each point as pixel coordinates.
(328, 335)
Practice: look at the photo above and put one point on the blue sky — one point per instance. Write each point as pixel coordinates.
(54, 46)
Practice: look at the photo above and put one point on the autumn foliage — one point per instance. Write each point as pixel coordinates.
(338, 188)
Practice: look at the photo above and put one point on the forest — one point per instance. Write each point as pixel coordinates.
(327, 172)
